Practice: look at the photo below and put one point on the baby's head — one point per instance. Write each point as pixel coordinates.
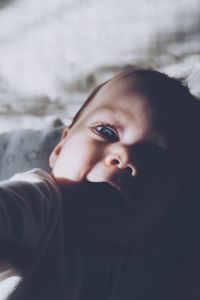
(129, 125)
(137, 133)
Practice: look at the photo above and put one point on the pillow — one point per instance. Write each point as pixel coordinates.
(23, 150)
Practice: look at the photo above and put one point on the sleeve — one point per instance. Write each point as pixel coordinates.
(30, 206)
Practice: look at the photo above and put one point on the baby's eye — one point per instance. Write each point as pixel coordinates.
(106, 131)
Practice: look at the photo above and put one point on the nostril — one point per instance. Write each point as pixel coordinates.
(115, 162)
(112, 160)
(129, 171)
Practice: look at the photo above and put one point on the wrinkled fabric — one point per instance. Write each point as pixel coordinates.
(62, 263)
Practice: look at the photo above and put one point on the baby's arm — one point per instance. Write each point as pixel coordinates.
(29, 211)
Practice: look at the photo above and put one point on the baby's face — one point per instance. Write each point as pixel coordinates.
(113, 140)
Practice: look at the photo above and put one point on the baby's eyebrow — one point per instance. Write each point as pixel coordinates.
(120, 112)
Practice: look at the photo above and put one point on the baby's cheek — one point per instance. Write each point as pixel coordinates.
(74, 162)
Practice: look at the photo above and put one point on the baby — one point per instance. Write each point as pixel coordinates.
(136, 132)
(94, 228)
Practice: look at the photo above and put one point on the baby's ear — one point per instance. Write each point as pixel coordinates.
(56, 151)
(64, 133)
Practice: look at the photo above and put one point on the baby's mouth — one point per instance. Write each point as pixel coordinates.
(115, 182)
(106, 194)
(119, 189)
(119, 179)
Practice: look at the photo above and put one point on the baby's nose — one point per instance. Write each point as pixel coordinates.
(122, 162)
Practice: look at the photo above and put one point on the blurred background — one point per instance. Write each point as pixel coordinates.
(53, 53)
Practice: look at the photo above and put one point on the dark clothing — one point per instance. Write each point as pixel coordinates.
(59, 264)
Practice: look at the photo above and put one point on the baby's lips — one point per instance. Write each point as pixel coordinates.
(121, 177)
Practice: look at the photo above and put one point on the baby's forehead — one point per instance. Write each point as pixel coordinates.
(119, 85)
(120, 96)
(119, 92)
